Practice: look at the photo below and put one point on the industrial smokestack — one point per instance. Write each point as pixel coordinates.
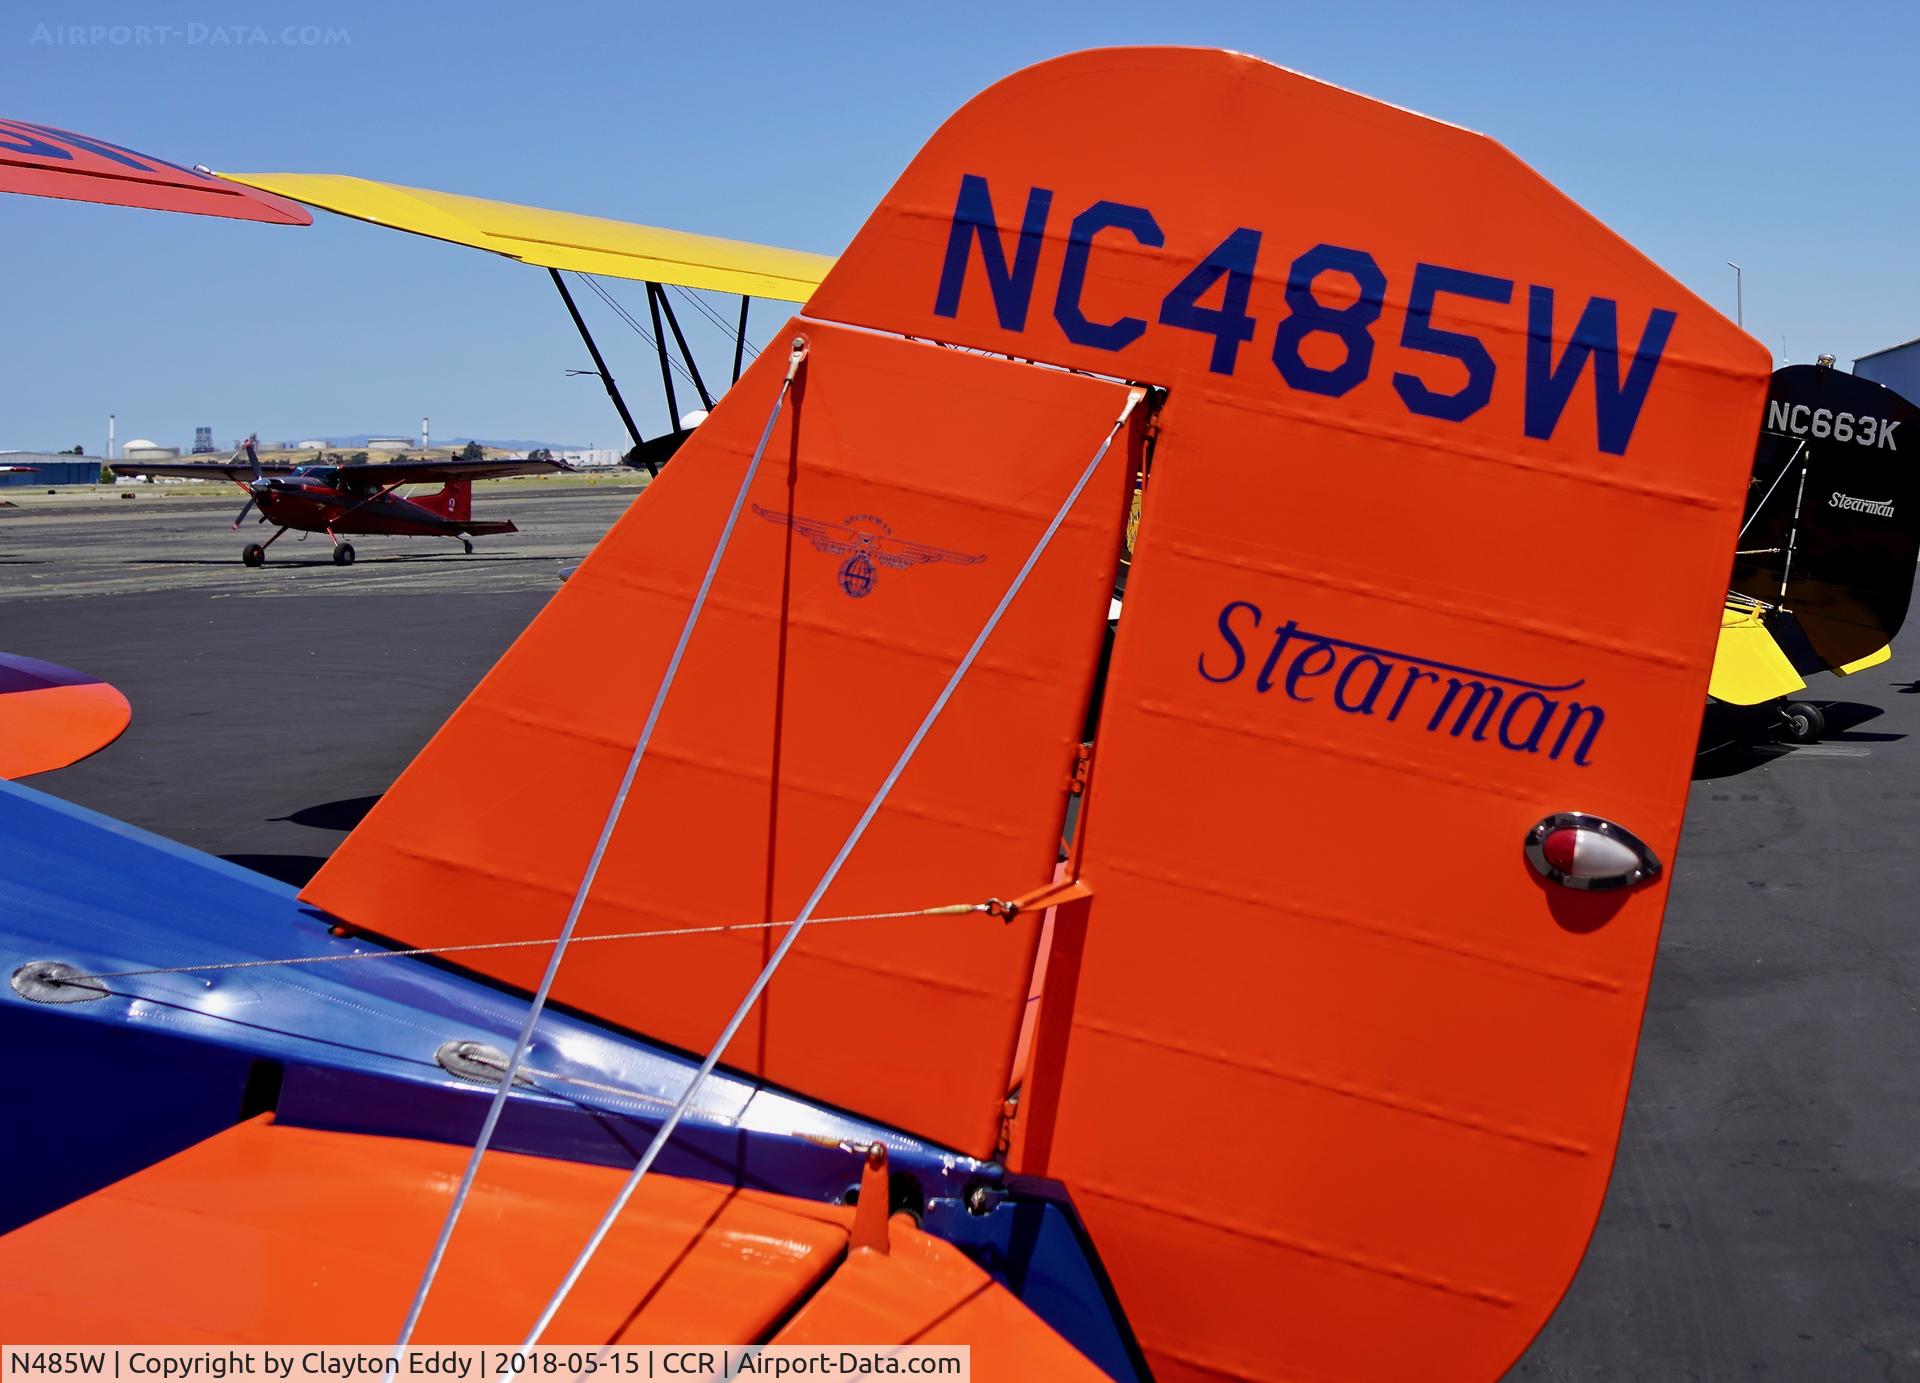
(110, 425)
(423, 432)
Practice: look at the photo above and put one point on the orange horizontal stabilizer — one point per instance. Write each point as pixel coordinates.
(52, 716)
(288, 1234)
(902, 490)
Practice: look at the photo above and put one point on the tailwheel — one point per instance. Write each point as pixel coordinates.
(467, 543)
(343, 555)
(1801, 723)
(254, 555)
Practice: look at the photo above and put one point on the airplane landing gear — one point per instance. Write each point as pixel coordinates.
(1801, 723)
(467, 543)
(255, 554)
(343, 555)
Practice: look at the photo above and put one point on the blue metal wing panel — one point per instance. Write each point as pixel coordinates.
(358, 1038)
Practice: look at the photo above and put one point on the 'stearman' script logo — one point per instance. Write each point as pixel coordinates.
(1880, 508)
(1518, 715)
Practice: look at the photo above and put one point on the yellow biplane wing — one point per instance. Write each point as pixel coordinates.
(559, 239)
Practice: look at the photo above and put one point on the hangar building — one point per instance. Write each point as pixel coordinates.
(1897, 367)
(49, 468)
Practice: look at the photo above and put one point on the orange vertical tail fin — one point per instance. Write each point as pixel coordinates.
(1440, 517)
(1443, 501)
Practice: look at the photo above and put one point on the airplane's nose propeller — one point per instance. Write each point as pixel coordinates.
(254, 487)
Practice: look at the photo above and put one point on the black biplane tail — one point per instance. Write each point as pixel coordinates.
(1832, 530)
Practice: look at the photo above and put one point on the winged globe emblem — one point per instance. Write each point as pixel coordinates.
(868, 543)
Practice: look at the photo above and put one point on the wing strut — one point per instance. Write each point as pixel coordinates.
(654, 295)
(606, 375)
(740, 335)
(673, 322)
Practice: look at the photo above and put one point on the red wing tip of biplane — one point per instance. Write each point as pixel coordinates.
(45, 161)
(52, 716)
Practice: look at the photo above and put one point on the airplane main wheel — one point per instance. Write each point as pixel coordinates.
(1802, 723)
(467, 543)
(253, 555)
(343, 555)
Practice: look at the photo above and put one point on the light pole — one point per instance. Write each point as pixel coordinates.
(1739, 306)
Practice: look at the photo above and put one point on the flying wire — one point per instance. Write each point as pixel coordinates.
(498, 1104)
(949, 910)
(633, 322)
(714, 317)
(1798, 447)
(765, 977)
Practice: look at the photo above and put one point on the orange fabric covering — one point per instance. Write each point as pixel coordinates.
(1333, 1077)
(269, 1234)
(53, 716)
(803, 683)
(924, 1291)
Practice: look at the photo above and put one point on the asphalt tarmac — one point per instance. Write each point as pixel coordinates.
(271, 705)
(1764, 1216)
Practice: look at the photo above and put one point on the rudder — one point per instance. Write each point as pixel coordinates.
(452, 501)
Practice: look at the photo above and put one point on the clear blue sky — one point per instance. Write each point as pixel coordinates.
(1781, 135)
